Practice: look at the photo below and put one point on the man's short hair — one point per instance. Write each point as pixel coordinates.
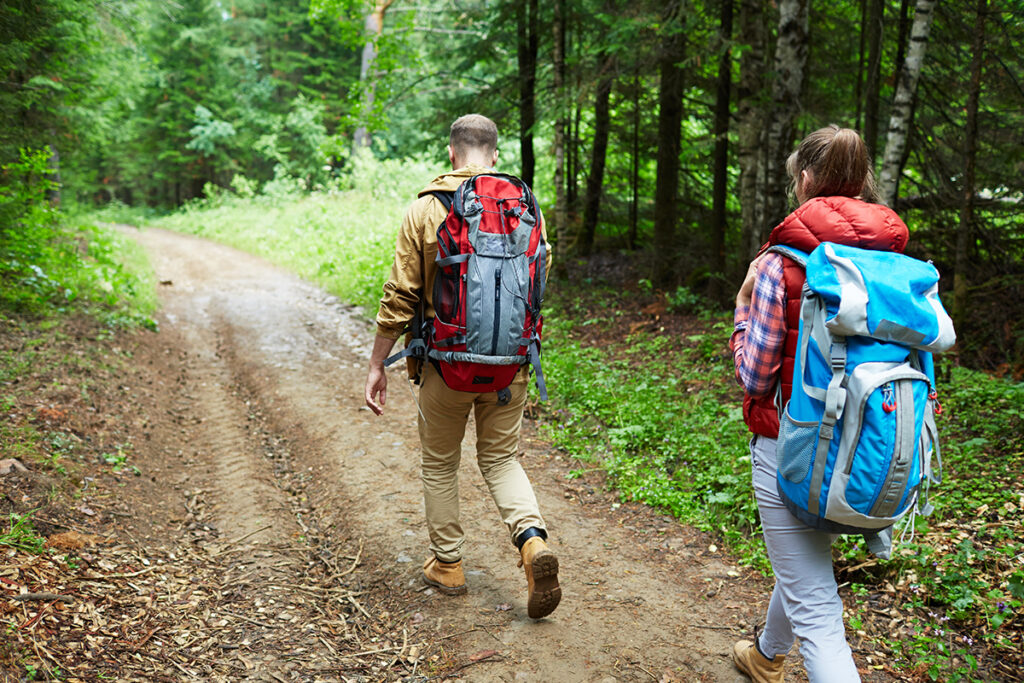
(473, 132)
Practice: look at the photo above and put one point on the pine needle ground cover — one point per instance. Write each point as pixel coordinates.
(642, 389)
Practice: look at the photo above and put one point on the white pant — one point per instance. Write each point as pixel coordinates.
(805, 603)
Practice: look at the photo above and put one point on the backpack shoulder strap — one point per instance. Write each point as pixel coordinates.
(446, 198)
(795, 254)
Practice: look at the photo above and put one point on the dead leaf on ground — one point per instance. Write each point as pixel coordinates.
(72, 540)
(483, 654)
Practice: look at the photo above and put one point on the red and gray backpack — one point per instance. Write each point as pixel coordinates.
(489, 287)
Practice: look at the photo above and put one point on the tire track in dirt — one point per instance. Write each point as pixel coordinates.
(302, 357)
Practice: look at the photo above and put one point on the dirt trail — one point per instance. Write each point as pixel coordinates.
(269, 390)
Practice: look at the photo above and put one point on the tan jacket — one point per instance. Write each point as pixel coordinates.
(413, 271)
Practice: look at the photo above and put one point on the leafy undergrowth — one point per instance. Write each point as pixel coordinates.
(647, 394)
(656, 408)
(342, 239)
(53, 265)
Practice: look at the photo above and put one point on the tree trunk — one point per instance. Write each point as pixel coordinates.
(373, 26)
(901, 38)
(53, 192)
(964, 230)
(572, 192)
(558, 57)
(721, 161)
(899, 121)
(634, 170)
(750, 114)
(526, 14)
(595, 182)
(670, 118)
(876, 16)
(790, 68)
(859, 93)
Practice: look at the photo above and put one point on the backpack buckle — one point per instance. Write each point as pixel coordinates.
(837, 355)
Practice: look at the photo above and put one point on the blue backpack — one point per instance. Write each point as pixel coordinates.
(857, 437)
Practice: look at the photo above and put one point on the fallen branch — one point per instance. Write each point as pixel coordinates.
(486, 658)
(123, 575)
(373, 652)
(42, 596)
(359, 607)
(713, 628)
(249, 619)
(240, 539)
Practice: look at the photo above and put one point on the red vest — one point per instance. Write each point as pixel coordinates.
(843, 220)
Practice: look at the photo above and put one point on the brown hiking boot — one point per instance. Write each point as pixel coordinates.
(750, 661)
(446, 577)
(541, 565)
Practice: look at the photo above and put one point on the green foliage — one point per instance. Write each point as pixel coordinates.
(48, 265)
(118, 459)
(685, 300)
(47, 50)
(341, 238)
(662, 441)
(19, 533)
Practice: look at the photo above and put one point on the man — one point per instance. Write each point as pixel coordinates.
(472, 150)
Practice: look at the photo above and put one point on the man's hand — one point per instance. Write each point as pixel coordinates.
(376, 379)
(747, 288)
(376, 385)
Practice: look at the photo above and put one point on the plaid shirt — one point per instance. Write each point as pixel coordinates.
(760, 330)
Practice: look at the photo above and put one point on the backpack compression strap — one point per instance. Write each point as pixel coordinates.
(812, 310)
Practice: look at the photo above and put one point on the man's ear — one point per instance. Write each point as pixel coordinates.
(451, 156)
(494, 159)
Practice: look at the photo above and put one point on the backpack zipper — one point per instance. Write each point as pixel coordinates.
(901, 399)
(497, 310)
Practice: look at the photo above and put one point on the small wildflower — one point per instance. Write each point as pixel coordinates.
(1001, 606)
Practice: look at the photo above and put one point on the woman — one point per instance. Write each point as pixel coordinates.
(833, 183)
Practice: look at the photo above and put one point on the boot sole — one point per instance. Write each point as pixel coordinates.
(546, 592)
(447, 590)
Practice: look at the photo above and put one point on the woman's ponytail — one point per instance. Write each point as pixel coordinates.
(837, 163)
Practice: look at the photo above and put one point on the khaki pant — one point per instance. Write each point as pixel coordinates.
(442, 425)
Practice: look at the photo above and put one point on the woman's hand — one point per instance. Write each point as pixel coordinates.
(747, 288)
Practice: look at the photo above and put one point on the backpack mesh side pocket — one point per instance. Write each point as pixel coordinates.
(795, 450)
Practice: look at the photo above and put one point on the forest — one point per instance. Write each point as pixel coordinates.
(653, 129)
(654, 135)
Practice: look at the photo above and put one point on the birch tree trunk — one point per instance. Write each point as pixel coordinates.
(790, 69)
(964, 230)
(526, 13)
(373, 26)
(899, 121)
(750, 115)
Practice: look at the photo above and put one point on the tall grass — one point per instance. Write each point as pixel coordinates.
(342, 239)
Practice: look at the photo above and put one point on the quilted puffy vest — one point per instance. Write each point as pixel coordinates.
(844, 220)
